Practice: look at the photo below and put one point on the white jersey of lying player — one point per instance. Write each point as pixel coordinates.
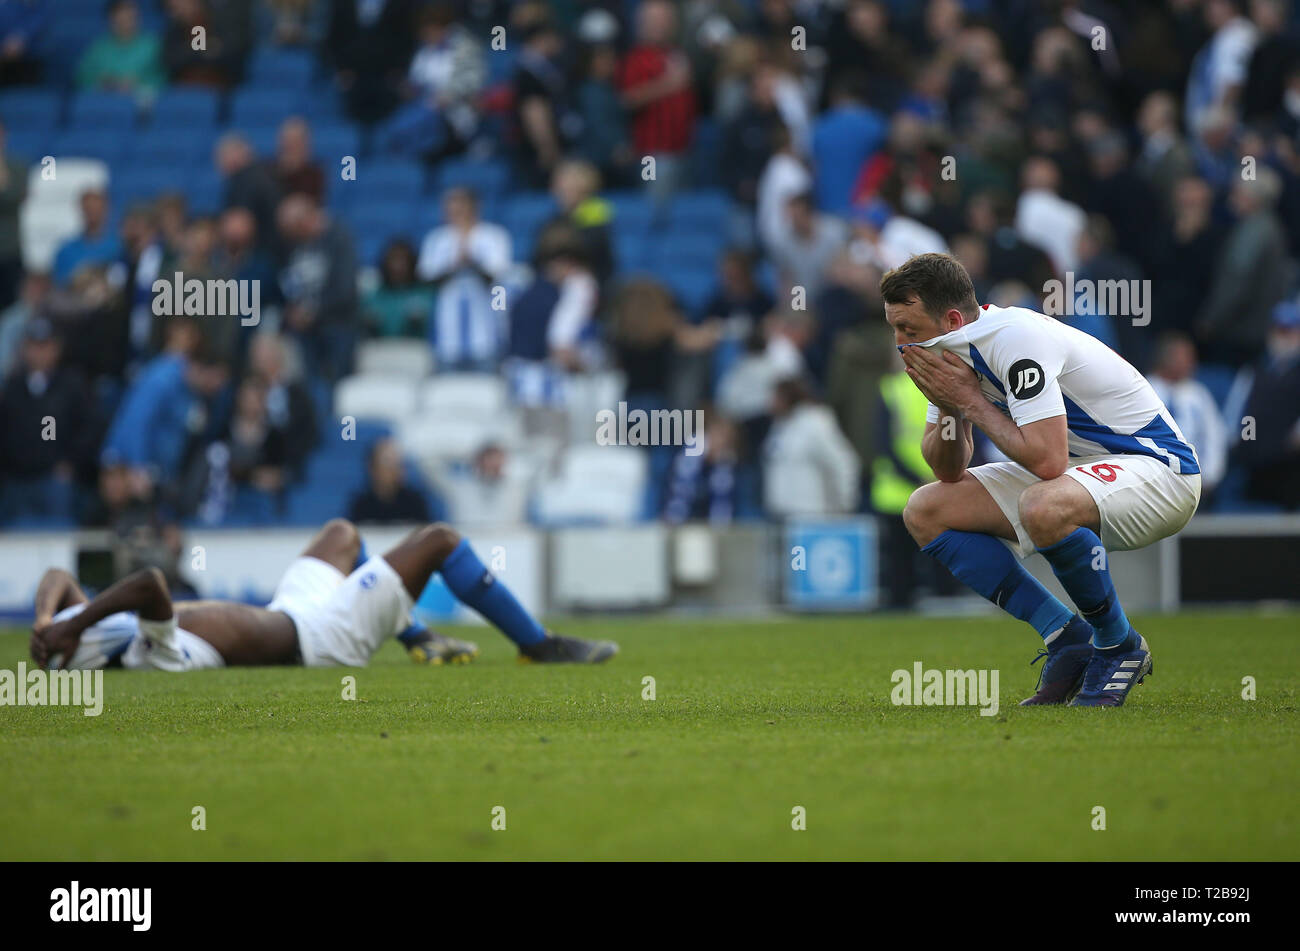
(1125, 447)
(137, 644)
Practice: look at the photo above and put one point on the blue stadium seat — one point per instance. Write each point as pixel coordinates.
(251, 507)
(331, 141)
(333, 474)
(129, 185)
(1217, 379)
(103, 110)
(313, 504)
(107, 144)
(523, 215)
(706, 152)
(254, 107)
(84, 8)
(321, 101)
(633, 211)
(632, 251)
(65, 38)
(488, 178)
(186, 107)
(696, 210)
(31, 110)
(281, 69)
(370, 245)
(170, 148)
(204, 190)
(688, 249)
(339, 199)
(322, 401)
(30, 145)
(397, 180)
(692, 287)
(386, 215)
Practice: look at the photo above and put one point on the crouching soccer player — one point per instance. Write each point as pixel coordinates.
(1097, 465)
(335, 605)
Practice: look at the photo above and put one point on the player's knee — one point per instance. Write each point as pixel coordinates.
(441, 539)
(342, 536)
(1041, 516)
(921, 515)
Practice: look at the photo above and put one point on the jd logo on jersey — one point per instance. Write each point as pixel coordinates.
(1026, 378)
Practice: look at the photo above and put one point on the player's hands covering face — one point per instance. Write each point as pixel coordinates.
(943, 378)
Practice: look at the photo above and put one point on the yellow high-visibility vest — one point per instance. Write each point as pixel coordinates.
(907, 407)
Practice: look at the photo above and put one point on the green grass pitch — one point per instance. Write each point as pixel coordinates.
(750, 720)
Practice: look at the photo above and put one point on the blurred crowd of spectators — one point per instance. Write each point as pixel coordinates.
(1157, 142)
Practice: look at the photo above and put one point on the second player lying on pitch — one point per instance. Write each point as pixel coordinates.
(335, 605)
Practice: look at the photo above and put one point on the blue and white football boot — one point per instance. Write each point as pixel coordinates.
(1111, 674)
(1061, 675)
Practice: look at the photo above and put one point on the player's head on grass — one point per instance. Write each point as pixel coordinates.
(927, 295)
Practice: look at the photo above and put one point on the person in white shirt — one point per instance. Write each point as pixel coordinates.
(809, 466)
(1219, 70)
(1045, 219)
(775, 353)
(884, 240)
(805, 250)
(1191, 404)
(784, 177)
(493, 490)
(466, 258)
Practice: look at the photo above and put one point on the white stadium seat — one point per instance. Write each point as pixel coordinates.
(477, 394)
(587, 394)
(595, 483)
(396, 357)
(431, 438)
(367, 396)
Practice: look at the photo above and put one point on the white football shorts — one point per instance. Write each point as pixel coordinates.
(342, 619)
(1141, 499)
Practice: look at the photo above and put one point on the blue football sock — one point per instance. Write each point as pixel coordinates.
(1081, 564)
(988, 566)
(414, 632)
(477, 587)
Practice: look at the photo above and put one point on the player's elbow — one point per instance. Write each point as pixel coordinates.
(1050, 467)
(155, 597)
(55, 574)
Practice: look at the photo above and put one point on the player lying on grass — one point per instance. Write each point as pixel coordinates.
(334, 606)
(1097, 465)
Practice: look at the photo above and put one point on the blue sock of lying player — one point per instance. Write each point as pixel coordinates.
(1080, 562)
(413, 634)
(470, 581)
(991, 570)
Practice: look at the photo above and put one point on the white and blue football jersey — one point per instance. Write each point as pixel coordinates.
(1035, 367)
(102, 642)
(123, 636)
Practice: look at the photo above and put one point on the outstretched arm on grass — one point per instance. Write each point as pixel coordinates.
(144, 592)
